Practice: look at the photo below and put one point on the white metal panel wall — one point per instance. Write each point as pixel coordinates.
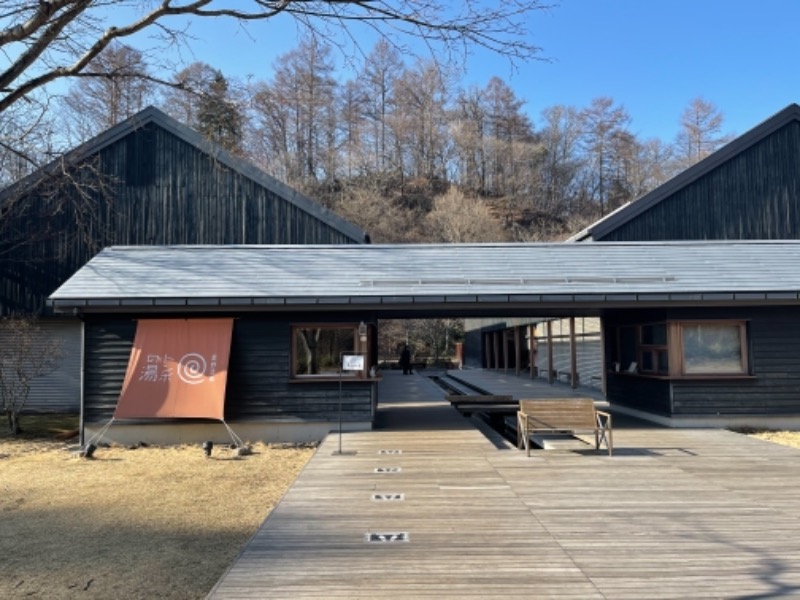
(60, 391)
(588, 349)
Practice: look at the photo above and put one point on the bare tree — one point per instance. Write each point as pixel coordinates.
(701, 132)
(657, 164)
(468, 127)
(419, 123)
(295, 109)
(180, 100)
(271, 146)
(377, 78)
(562, 161)
(26, 353)
(52, 40)
(435, 338)
(27, 139)
(115, 86)
(603, 123)
(352, 104)
(511, 131)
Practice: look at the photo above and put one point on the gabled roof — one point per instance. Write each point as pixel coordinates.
(387, 278)
(610, 222)
(153, 115)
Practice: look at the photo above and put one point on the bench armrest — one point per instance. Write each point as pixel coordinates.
(603, 419)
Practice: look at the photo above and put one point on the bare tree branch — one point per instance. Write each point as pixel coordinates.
(59, 38)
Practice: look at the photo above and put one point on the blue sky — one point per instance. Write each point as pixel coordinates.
(651, 56)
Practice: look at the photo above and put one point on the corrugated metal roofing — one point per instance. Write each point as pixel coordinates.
(405, 274)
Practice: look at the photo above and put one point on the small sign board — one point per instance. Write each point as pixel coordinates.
(352, 362)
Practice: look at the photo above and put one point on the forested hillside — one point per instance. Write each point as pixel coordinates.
(404, 150)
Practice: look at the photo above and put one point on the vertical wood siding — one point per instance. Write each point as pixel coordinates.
(258, 376)
(165, 191)
(754, 195)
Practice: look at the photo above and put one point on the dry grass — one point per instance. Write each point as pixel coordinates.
(154, 522)
(786, 438)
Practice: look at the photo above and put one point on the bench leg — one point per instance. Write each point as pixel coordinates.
(523, 439)
(604, 435)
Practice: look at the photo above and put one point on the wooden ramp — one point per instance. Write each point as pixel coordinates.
(427, 507)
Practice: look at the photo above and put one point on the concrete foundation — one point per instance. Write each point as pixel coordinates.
(172, 432)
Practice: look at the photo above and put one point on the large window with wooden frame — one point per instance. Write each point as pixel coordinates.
(683, 349)
(712, 348)
(317, 349)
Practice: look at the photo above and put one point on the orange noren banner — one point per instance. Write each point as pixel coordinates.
(178, 369)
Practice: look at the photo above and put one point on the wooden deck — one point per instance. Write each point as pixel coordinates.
(428, 507)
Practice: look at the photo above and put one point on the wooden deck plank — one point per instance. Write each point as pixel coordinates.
(675, 513)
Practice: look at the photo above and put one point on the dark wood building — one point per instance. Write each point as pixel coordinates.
(267, 397)
(147, 181)
(747, 190)
(707, 326)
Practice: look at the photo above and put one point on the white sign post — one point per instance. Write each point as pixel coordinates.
(348, 362)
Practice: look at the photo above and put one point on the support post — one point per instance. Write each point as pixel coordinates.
(573, 355)
(550, 352)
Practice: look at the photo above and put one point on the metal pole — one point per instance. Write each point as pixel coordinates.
(341, 358)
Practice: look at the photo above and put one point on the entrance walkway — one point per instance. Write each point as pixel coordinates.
(428, 507)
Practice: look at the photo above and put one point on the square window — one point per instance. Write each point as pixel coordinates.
(713, 348)
(318, 349)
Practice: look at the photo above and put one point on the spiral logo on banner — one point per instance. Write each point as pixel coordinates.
(192, 368)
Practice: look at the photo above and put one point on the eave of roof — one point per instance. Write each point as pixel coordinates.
(394, 277)
(153, 115)
(610, 222)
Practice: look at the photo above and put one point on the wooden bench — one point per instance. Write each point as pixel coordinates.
(562, 415)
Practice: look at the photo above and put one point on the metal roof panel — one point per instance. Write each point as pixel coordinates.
(401, 274)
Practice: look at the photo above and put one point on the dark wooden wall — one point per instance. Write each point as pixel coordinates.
(774, 353)
(258, 375)
(774, 340)
(163, 191)
(642, 393)
(754, 195)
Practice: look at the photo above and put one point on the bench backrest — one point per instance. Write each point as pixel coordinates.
(560, 413)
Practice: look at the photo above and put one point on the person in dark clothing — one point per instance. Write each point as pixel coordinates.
(405, 360)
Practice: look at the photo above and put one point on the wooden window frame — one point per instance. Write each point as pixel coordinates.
(675, 351)
(653, 350)
(359, 348)
(743, 347)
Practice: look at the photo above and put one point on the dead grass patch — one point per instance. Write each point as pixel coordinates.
(786, 438)
(154, 522)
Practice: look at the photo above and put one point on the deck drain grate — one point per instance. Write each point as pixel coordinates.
(388, 469)
(390, 451)
(388, 497)
(388, 538)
